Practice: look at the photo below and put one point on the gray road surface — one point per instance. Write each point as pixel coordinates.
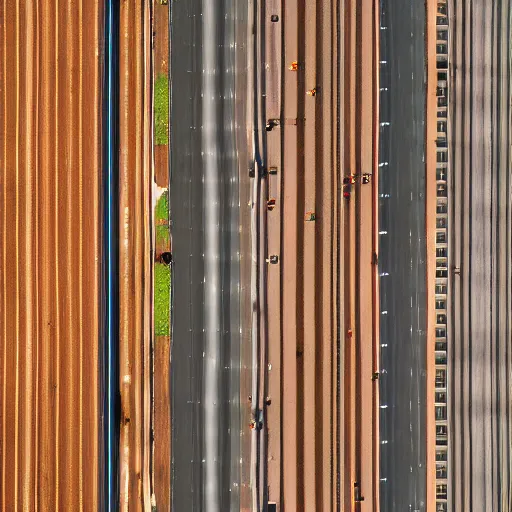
(479, 335)
(402, 257)
(205, 221)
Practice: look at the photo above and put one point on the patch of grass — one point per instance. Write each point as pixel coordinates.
(161, 110)
(162, 207)
(162, 234)
(162, 218)
(162, 299)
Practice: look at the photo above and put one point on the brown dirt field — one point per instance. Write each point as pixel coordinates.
(162, 165)
(368, 337)
(50, 255)
(431, 134)
(273, 105)
(161, 353)
(134, 255)
(161, 37)
(162, 423)
(305, 462)
(291, 470)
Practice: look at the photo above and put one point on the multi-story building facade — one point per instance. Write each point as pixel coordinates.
(441, 343)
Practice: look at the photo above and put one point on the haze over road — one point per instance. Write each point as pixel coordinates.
(402, 257)
(479, 323)
(205, 230)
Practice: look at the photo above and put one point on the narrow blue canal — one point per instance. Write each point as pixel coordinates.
(110, 255)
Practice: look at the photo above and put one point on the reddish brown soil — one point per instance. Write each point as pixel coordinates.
(161, 354)
(134, 256)
(307, 295)
(50, 255)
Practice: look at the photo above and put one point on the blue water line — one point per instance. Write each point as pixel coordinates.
(111, 288)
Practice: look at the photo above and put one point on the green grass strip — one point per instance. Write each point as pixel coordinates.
(162, 299)
(161, 110)
(162, 207)
(162, 218)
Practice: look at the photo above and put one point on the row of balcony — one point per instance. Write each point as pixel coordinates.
(441, 285)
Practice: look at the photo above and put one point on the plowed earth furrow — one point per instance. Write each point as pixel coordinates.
(50, 255)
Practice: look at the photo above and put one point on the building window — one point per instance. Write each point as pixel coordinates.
(442, 252)
(442, 35)
(441, 319)
(441, 492)
(441, 455)
(441, 237)
(441, 222)
(441, 507)
(440, 397)
(442, 63)
(441, 188)
(442, 143)
(442, 20)
(442, 273)
(440, 346)
(441, 174)
(441, 358)
(442, 157)
(442, 207)
(441, 126)
(440, 304)
(442, 9)
(441, 289)
(441, 430)
(440, 413)
(440, 332)
(442, 113)
(441, 471)
(440, 378)
(442, 48)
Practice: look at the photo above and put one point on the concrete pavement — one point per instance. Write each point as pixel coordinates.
(479, 319)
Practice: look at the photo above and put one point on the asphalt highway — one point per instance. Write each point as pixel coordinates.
(402, 257)
(479, 354)
(205, 230)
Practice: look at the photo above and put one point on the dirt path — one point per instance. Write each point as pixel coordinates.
(161, 353)
(50, 255)
(322, 430)
(134, 256)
